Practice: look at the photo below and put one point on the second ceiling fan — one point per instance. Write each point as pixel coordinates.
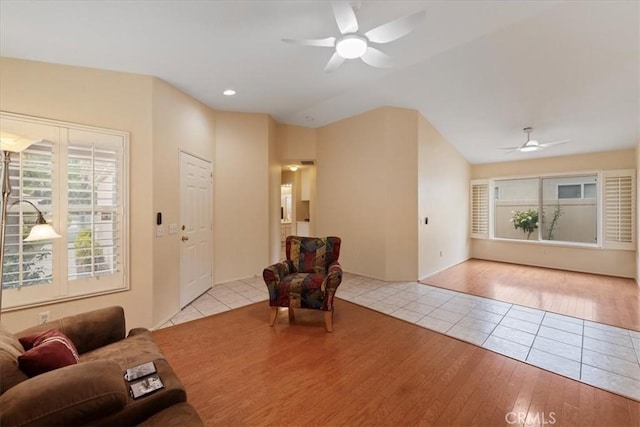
(351, 44)
(531, 145)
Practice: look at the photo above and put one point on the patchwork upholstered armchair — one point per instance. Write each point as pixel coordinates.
(308, 278)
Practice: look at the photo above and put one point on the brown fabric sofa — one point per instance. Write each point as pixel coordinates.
(94, 391)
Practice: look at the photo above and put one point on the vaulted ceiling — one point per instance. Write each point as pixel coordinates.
(479, 71)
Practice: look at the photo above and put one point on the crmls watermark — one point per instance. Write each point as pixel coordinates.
(542, 418)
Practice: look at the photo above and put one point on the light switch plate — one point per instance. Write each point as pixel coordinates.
(159, 231)
(173, 228)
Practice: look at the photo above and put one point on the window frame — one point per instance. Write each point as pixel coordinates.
(582, 191)
(601, 175)
(61, 288)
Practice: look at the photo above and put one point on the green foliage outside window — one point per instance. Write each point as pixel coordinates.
(86, 256)
(527, 221)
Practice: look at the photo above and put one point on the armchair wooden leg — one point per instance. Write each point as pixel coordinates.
(292, 316)
(274, 314)
(328, 320)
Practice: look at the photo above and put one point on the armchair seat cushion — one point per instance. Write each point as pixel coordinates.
(302, 290)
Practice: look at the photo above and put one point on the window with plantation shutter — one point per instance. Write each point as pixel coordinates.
(591, 209)
(618, 195)
(479, 209)
(77, 176)
(29, 263)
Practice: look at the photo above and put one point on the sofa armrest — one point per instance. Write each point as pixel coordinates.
(73, 395)
(89, 330)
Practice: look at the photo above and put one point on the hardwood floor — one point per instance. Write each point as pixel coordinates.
(372, 370)
(611, 300)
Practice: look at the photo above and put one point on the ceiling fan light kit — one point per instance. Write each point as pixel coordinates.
(353, 45)
(529, 148)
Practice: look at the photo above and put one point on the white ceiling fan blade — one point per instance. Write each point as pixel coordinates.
(393, 30)
(375, 58)
(549, 144)
(509, 148)
(345, 17)
(335, 61)
(328, 42)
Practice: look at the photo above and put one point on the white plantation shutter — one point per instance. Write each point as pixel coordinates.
(618, 196)
(94, 207)
(480, 209)
(29, 263)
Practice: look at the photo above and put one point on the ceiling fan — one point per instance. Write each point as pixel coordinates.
(351, 44)
(531, 145)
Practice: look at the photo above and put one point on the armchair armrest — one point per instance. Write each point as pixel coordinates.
(334, 276)
(89, 330)
(276, 272)
(272, 275)
(73, 395)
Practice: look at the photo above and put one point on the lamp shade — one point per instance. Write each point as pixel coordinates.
(41, 232)
(14, 142)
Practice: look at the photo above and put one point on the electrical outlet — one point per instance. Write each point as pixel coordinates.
(43, 317)
(159, 231)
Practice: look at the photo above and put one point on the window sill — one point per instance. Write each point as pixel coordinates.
(545, 243)
(51, 301)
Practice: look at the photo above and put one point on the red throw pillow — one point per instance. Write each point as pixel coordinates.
(46, 351)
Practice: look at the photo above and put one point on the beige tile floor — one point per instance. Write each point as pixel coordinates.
(603, 356)
(222, 297)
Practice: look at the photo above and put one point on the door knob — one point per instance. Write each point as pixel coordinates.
(185, 238)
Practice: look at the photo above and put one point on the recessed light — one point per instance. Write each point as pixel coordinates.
(229, 92)
(293, 168)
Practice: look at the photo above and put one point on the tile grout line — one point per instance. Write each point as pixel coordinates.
(536, 335)
(582, 350)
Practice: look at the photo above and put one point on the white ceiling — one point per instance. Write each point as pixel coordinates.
(479, 71)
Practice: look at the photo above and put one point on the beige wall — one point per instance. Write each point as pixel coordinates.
(443, 183)
(295, 143)
(106, 99)
(600, 261)
(180, 123)
(313, 190)
(399, 199)
(367, 191)
(242, 203)
(351, 183)
(275, 176)
(621, 159)
(638, 213)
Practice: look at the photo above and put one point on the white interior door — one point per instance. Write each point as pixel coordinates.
(196, 228)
